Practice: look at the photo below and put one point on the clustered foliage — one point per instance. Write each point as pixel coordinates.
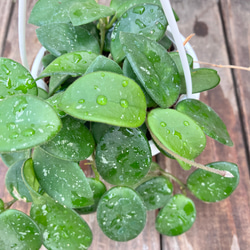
(113, 86)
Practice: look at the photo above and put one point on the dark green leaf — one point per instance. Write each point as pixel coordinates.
(154, 68)
(55, 82)
(1, 206)
(26, 121)
(15, 79)
(47, 59)
(54, 102)
(74, 142)
(155, 192)
(63, 38)
(121, 214)
(210, 187)
(123, 156)
(18, 231)
(145, 19)
(10, 158)
(105, 97)
(98, 130)
(207, 119)
(177, 216)
(166, 42)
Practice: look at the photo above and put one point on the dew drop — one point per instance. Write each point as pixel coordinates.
(124, 103)
(186, 123)
(11, 125)
(160, 26)
(125, 83)
(102, 74)
(14, 135)
(178, 134)
(139, 10)
(125, 15)
(101, 100)
(163, 124)
(28, 132)
(140, 23)
(5, 69)
(168, 131)
(81, 101)
(77, 58)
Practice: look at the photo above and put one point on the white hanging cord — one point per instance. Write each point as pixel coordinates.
(21, 32)
(176, 34)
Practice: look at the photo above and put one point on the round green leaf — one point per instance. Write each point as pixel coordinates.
(123, 156)
(15, 79)
(98, 130)
(14, 182)
(74, 63)
(18, 231)
(154, 68)
(62, 228)
(121, 214)
(105, 97)
(177, 132)
(145, 19)
(155, 192)
(53, 37)
(10, 158)
(54, 102)
(43, 94)
(98, 189)
(177, 216)
(63, 180)
(74, 142)
(212, 187)
(207, 119)
(26, 121)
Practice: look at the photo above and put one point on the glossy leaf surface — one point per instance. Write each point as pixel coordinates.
(155, 192)
(15, 79)
(105, 97)
(154, 68)
(98, 130)
(62, 180)
(207, 119)
(14, 182)
(54, 102)
(74, 63)
(18, 231)
(55, 82)
(26, 121)
(53, 37)
(123, 156)
(10, 158)
(146, 19)
(177, 132)
(177, 216)
(43, 94)
(121, 214)
(210, 187)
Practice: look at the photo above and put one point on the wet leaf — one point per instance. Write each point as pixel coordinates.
(165, 42)
(155, 192)
(74, 142)
(154, 68)
(14, 182)
(74, 63)
(10, 158)
(98, 130)
(15, 79)
(177, 132)
(86, 12)
(47, 59)
(121, 214)
(43, 94)
(105, 97)
(53, 37)
(146, 19)
(54, 102)
(98, 189)
(177, 216)
(123, 156)
(55, 82)
(26, 121)
(18, 231)
(207, 119)
(210, 187)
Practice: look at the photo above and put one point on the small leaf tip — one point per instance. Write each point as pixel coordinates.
(228, 174)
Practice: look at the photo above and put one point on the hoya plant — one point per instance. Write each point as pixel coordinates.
(115, 86)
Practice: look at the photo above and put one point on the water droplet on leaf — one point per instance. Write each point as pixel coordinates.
(102, 100)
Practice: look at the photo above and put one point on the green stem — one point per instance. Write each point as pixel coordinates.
(9, 204)
(102, 22)
(111, 22)
(93, 166)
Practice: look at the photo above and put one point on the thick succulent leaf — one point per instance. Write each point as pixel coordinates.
(86, 12)
(98, 189)
(47, 59)
(15, 79)
(154, 67)
(63, 180)
(54, 102)
(10, 158)
(147, 19)
(55, 82)
(177, 216)
(63, 38)
(155, 192)
(202, 79)
(19, 231)
(74, 63)
(177, 132)
(98, 130)
(105, 97)
(128, 71)
(121, 214)
(74, 142)
(207, 119)
(210, 187)
(102, 63)
(43, 94)
(26, 121)
(51, 11)
(165, 42)
(15, 184)
(123, 156)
